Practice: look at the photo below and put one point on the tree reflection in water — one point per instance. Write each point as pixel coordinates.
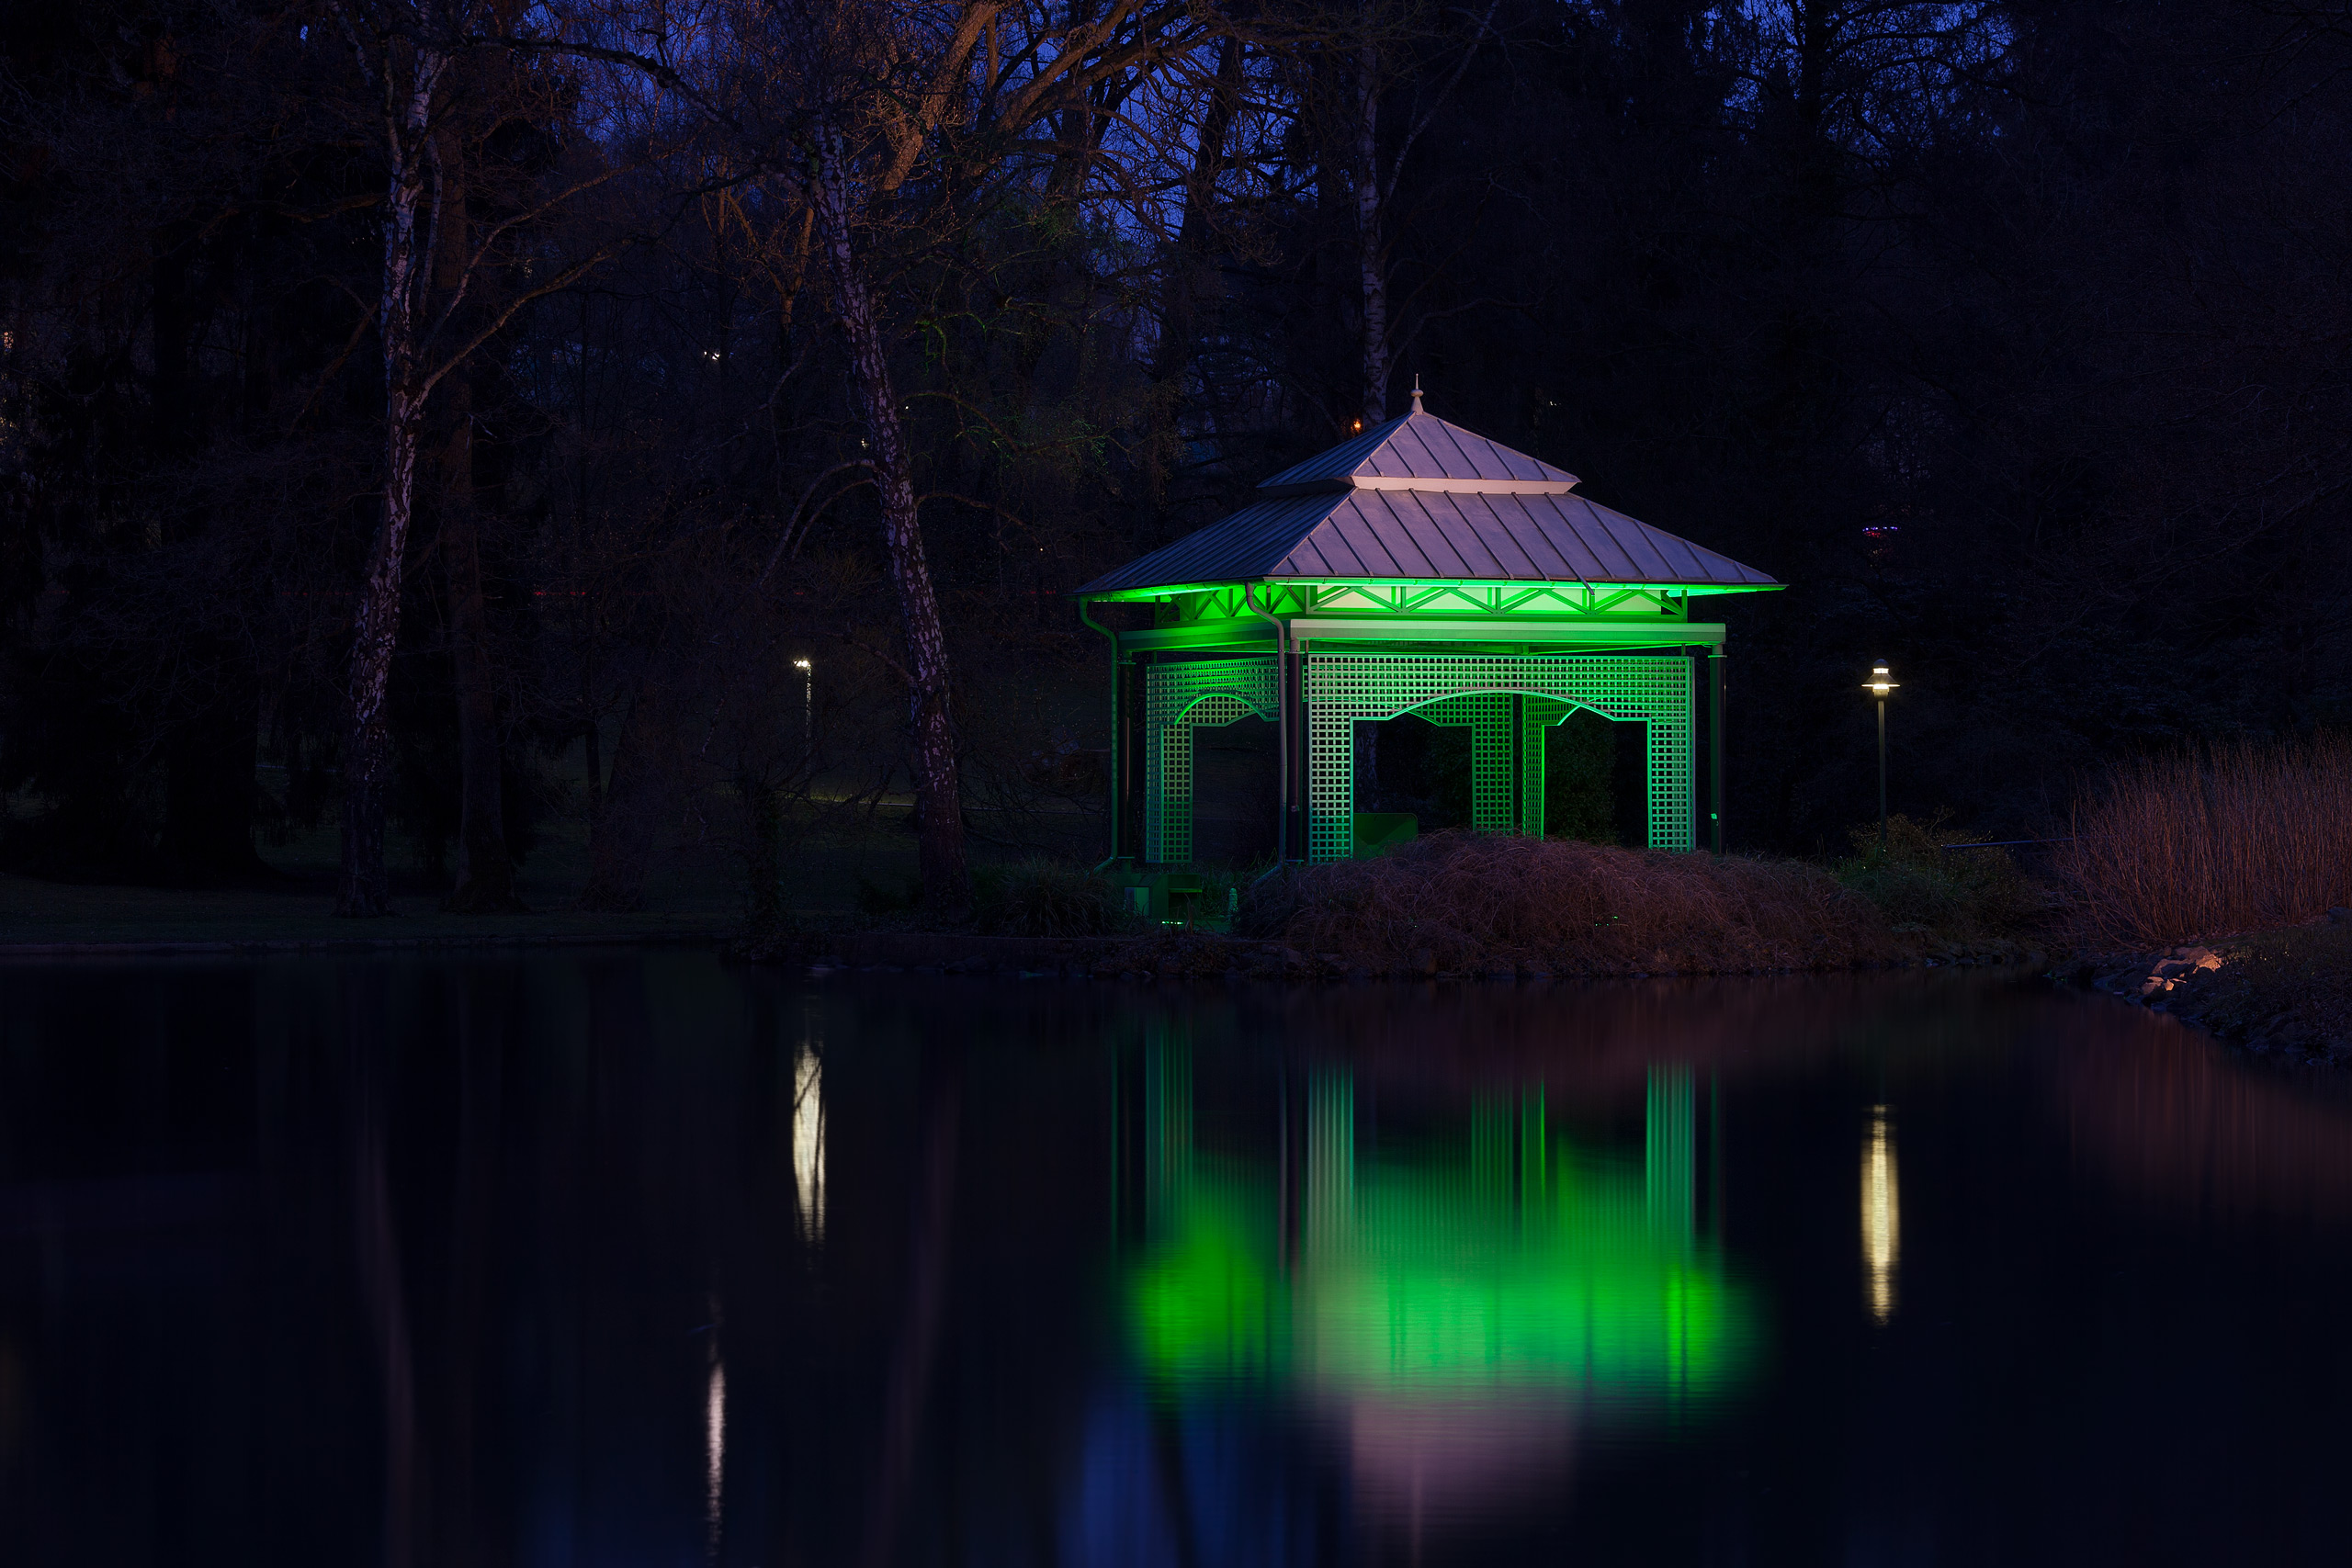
(634, 1258)
(2154, 1107)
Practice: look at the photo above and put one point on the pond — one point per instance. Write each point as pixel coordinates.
(633, 1257)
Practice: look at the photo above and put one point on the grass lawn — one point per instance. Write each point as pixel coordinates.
(688, 896)
(692, 892)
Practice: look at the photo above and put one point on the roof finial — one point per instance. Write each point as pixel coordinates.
(1417, 391)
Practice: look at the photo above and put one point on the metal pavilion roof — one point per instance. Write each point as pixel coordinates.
(1419, 499)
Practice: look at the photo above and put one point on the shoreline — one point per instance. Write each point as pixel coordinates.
(329, 946)
(1151, 955)
(1207, 955)
(2285, 993)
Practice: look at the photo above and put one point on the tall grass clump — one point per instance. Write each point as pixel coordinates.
(2233, 836)
(1476, 902)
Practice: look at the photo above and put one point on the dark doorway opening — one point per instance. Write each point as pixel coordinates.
(1236, 781)
(1596, 776)
(1409, 764)
(1595, 780)
(1630, 782)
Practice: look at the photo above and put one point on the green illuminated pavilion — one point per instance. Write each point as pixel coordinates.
(1420, 569)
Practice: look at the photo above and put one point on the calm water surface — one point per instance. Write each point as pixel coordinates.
(635, 1259)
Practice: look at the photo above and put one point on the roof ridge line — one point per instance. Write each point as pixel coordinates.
(1340, 484)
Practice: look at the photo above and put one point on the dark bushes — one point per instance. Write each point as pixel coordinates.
(1477, 902)
(1958, 894)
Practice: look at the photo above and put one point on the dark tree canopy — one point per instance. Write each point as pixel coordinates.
(2012, 335)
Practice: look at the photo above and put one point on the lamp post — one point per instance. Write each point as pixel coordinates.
(1881, 686)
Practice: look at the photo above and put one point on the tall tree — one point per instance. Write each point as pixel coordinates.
(899, 124)
(438, 302)
(1394, 56)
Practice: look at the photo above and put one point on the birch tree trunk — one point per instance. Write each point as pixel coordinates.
(947, 885)
(368, 747)
(366, 764)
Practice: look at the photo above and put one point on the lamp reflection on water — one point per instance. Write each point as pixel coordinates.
(1881, 1214)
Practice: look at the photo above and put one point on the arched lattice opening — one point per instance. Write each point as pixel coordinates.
(1590, 784)
(1220, 695)
(1507, 701)
(1236, 781)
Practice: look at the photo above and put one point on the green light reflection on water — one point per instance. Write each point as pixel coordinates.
(1507, 1260)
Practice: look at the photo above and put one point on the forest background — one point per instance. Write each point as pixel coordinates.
(453, 420)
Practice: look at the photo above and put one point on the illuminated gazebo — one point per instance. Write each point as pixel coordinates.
(1418, 568)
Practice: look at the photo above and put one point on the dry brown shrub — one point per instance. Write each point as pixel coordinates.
(2238, 836)
(1476, 902)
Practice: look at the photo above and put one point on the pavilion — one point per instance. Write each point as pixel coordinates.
(1420, 569)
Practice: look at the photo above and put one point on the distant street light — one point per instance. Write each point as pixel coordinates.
(1879, 684)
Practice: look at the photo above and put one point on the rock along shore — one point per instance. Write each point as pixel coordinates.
(2284, 994)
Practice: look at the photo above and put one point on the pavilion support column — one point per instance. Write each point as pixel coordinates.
(1293, 676)
(1696, 729)
(1167, 770)
(1156, 804)
(1115, 769)
(1715, 750)
(1493, 719)
(1672, 797)
(1538, 716)
(1519, 802)
(1128, 760)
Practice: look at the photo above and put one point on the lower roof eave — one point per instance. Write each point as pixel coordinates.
(1092, 595)
(1614, 635)
(1245, 637)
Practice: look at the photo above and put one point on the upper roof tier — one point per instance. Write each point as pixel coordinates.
(1418, 499)
(1422, 451)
